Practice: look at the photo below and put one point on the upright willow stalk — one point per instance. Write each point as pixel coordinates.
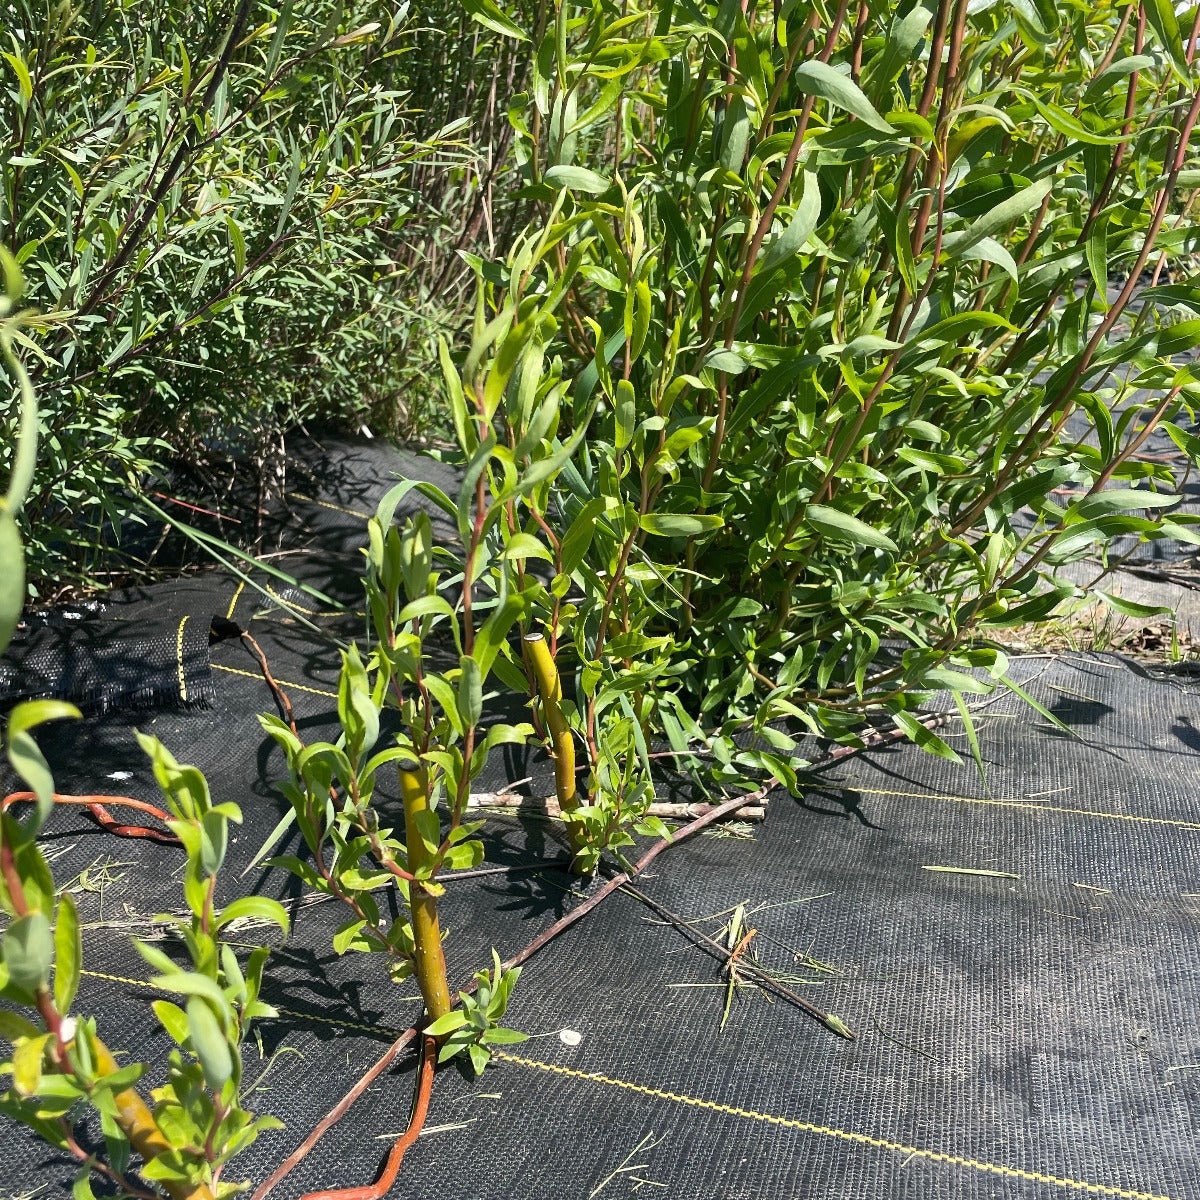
(549, 686)
(429, 962)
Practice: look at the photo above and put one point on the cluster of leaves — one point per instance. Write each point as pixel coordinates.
(435, 743)
(832, 344)
(199, 1109)
(58, 1062)
(475, 1025)
(197, 1122)
(208, 201)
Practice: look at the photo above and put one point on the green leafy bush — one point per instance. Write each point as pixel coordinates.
(440, 748)
(209, 203)
(58, 1063)
(782, 377)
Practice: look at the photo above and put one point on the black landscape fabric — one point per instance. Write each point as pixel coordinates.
(1017, 954)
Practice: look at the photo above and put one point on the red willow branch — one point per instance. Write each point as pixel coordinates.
(96, 806)
(387, 1177)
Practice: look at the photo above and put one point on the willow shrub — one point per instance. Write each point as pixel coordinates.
(781, 379)
(212, 206)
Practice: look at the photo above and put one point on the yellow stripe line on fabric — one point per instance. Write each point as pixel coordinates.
(179, 659)
(350, 512)
(1031, 805)
(864, 1139)
(845, 1135)
(237, 595)
(338, 1022)
(299, 687)
(274, 595)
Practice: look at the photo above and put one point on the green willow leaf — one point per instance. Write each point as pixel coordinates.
(209, 1043)
(1001, 218)
(835, 524)
(680, 524)
(490, 15)
(1164, 22)
(28, 951)
(819, 79)
(577, 179)
(68, 954)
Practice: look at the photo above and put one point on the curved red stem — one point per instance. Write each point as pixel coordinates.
(391, 1168)
(96, 805)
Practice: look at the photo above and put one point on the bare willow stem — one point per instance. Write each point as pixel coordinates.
(430, 966)
(549, 685)
(549, 806)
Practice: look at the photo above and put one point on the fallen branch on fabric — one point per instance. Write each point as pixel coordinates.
(745, 965)
(97, 806)
(548, 806)
(387, 1177)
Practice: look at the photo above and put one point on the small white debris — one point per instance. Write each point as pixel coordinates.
(67, 1029)
(569, 1037)
(120, 776)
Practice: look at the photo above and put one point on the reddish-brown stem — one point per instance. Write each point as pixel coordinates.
(1134, 444)
(96, 807)
(391, 1168)
(1173, 161)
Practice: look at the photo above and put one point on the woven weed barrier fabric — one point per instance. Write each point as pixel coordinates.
(133, 650)
(1016, 952)
(1032, 1031)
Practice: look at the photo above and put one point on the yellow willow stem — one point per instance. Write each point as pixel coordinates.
(139, 1126)
(430, 966)
(549, 686)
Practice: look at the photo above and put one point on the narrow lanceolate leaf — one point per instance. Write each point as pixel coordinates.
(1131, 608)
(24, 79)
(489, 14)
(925, 738)
(1162, 18)
(68, 954)
(1118, 500)
(902, 39)
(1120, 69)
(577, 179)
(1097, 257)
(1001, 219)
(819, 79)
(832, 523)
(1073, 128)
(680, 524)
(771, 273)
